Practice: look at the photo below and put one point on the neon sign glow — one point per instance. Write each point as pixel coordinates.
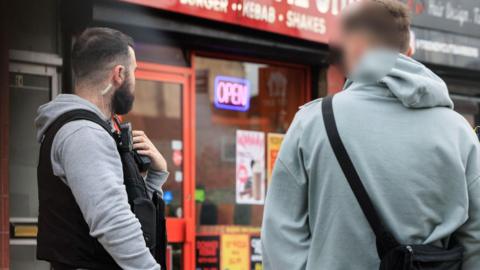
(232, 93)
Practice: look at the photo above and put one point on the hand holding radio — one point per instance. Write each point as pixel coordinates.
(145, 147)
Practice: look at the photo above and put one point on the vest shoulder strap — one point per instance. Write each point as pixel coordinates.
(78, 114)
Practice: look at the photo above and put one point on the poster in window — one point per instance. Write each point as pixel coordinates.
(250, 167)
(208, 252)
(255, 253)
(274, 141)
(235, 251)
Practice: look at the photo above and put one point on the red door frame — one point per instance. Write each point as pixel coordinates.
(180, 230)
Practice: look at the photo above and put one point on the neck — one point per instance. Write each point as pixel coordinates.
(94, 96)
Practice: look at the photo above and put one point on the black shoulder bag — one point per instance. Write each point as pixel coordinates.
(393, 255)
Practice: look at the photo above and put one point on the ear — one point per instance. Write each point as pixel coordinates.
(118, 75)
(410, 51)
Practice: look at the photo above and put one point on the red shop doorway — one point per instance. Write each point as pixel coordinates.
(163, 110)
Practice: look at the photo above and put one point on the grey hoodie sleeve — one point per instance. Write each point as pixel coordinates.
(85, 157)
(469, 234)
(155, 180)
(285, 231)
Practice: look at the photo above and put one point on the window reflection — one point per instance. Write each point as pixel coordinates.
(276, 92)
(157, 110)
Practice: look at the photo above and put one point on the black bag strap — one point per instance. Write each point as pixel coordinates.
(385, 240)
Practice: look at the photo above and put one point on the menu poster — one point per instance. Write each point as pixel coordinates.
(250, 167)
(255, 253)
(208, 252)
(274, 141)
(235, 251)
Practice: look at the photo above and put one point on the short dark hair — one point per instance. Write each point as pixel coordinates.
(98, 48)
(388, 21)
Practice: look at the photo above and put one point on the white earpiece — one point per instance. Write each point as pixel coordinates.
(106, 90)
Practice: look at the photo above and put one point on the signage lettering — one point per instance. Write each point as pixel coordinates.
(307, 19)
(455, 16)
(214, 5)
(232, 93)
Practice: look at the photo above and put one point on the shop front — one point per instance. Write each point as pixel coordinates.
(218, 84)
(217, 88)
(219, 125)
(214, 92)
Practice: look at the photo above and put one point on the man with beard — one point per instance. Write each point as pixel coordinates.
(86, 164)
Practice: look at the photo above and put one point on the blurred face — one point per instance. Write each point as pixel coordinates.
(353, 46)
(123, 97)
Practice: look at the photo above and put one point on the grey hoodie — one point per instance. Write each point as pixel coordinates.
(419, 161)
(86, 159)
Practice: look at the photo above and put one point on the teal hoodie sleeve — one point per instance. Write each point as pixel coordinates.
(469, 234)
(285, 232)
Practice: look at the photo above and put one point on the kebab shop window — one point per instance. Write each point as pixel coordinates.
(243, 109)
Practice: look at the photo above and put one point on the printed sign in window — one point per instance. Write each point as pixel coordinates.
(208, 252)
(235, 251)
(250, 172)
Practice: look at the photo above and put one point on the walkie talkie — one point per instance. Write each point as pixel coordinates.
(126, 145)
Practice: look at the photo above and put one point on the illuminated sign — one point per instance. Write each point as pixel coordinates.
(232, 93)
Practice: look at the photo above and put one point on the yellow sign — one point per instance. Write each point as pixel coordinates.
(29, 231)
(274, 141)
(235, 252)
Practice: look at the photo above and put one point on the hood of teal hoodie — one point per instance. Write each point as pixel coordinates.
(413, 84)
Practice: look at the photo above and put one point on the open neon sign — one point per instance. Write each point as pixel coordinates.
(232, 93)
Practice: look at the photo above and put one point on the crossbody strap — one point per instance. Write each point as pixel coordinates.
(385, 240)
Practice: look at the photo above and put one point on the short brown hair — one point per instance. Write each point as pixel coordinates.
(388, 21)
(97, 48)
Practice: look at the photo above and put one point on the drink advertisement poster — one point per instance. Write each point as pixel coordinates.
(250, 167)
(235, 251)
(274, 141)
(208, 252)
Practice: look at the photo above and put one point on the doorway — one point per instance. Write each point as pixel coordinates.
(162, 109)
(30, 85)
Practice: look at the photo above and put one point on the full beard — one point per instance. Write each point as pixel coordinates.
(122, 99)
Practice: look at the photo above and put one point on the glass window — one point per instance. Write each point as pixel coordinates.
(239, 101)
(157, 111)
(27, 93)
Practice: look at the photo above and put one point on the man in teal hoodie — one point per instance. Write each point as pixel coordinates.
(418, 159)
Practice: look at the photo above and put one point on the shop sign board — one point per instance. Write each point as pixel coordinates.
(232, 93)
(274, 141)
(455, 16)
(313, 20)
(250, 167)
(255, 253)
(208, 252)
(235, 251)
(442, 48)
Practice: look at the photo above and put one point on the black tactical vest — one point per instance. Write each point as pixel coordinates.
(63, 235)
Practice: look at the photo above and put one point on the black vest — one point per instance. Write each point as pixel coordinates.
(63, 235)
